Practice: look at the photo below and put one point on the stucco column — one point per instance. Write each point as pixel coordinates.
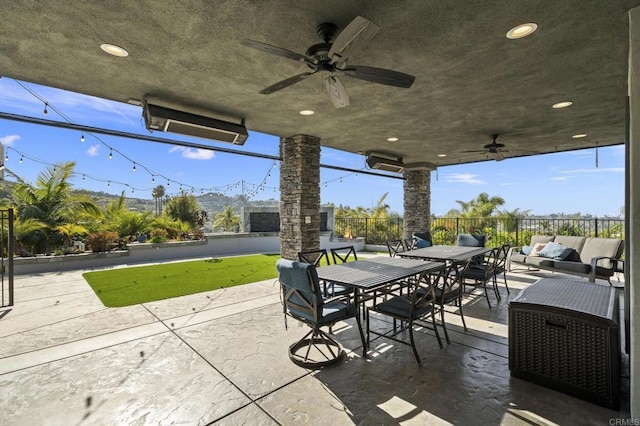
(417, 201)
(299, 195)
(633, 203)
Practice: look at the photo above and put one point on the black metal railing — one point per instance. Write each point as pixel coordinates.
(6, 261)
(514, 231)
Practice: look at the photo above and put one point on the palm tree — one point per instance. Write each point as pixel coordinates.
(381, 210)
(23, 231)
(510, 218)
(158, 194)
(226, 219)
(68, 230)
(51, 201)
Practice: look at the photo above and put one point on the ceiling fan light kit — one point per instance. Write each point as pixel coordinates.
(331, 57)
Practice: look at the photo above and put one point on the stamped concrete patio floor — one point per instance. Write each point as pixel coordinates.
(221, 357)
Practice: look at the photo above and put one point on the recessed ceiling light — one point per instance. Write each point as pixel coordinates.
(307, 112)
(442, 155)
(392, 139)
(522, 30)
(579, 135)
(562, 104)
(114, 50)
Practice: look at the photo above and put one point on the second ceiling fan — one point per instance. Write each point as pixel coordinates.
(331, 57)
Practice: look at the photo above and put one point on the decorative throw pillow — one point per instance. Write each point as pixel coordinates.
(536, 249)
(526, 250)
(555, 251)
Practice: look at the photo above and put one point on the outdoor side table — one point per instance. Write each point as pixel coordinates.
(564, 334)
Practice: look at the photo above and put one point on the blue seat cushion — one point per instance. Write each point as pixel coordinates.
(526, 250)
(400, 306)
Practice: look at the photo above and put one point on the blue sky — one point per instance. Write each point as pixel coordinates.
(544, 184)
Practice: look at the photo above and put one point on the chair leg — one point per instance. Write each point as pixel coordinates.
(413, 343)
(496, 290)
(435, 328)
(504, 275)
(464, 324)
(444, 324)
(486, 295)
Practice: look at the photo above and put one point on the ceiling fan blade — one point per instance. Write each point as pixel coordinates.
(336, 91)
(381, 76)
(358, 32)
(286, 83)
(275, 50)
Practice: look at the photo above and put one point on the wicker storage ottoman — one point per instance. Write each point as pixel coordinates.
(564, 334)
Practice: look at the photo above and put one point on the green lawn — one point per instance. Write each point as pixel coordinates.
(130, 286)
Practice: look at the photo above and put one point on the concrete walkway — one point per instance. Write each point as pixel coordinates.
(221, 357)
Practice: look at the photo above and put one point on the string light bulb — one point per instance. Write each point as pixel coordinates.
(134, 166)
(110, 153)
(83, 177)
(20, 160)
(108, 183)
(6, 157)
(45, 107)
(82, 138)
(153, 179)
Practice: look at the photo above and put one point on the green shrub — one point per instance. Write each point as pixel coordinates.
(102, 241)
(158, 235)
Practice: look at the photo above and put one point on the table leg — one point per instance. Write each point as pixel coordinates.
(358, 312)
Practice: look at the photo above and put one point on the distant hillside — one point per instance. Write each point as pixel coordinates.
(212, 204)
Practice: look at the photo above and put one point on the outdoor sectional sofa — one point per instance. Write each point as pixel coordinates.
(584, 256)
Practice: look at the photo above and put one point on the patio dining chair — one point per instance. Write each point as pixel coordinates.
(416, 305)
(302, 300)
(343, 254)
(315, 257)
(501, 267)
(479, 274)
(449, 290)
(394, 247)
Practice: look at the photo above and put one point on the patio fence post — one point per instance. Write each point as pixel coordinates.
(596, 225)
(517, 231)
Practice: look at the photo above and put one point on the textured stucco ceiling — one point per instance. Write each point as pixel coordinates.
(471, 81)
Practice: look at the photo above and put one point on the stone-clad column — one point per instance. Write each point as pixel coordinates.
(299, 195)
(417, 201)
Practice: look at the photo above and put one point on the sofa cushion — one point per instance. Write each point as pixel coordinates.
(555, 251)
(609, 247)
(526, 250)
(571, 241)
(535, 239)
(543, 262)
(573, 256)
(572, 267)
(518, 258)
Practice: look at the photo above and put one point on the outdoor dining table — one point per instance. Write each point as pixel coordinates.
(372, 274)
(445, 253)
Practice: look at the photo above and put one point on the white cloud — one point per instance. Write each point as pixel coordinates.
(9, 139)
(463, 178)
(562, 178)
(603, 170)
(193, 154)
(93, 150)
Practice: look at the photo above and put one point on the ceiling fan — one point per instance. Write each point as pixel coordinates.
(494, 148)
(330, 58)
